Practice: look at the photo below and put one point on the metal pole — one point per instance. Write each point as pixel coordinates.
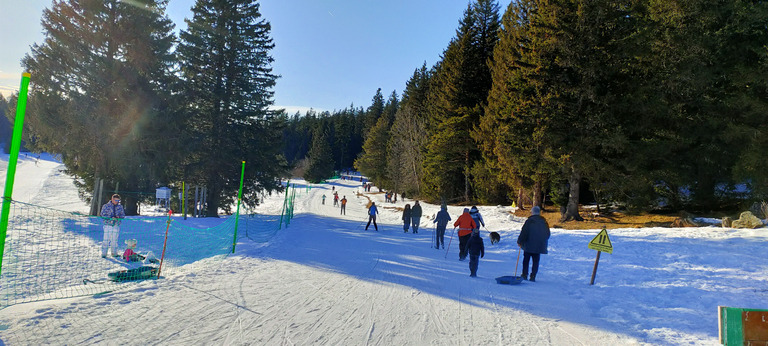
(18, 125)
(594, 270)
(197, 207)
(184, 199)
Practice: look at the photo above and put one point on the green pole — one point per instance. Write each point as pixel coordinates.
(285, 203)
(239, 198)
(18, 124)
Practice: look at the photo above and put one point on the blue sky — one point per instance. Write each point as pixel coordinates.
(329, 53)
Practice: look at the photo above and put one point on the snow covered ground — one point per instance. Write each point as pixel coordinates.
(326, 281)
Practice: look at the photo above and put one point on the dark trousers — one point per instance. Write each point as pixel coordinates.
(440, 236)
(526, 257)
(371, 218)
(344, 209)
(463, 246)
(474, 260)
(406, 224)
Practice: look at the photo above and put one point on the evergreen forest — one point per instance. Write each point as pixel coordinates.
(641, 104)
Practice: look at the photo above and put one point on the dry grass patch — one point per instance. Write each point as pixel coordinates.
(610, 219)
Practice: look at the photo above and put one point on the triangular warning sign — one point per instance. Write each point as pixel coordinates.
(601, 242)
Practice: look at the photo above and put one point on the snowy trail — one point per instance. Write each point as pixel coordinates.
(324, 280)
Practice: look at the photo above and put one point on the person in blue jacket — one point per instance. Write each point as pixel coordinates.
(476, 250)
(475, 214)
(372, 211)
(441, 219)
(533, 240)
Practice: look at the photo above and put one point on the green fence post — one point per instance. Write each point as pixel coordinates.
(239, 198)
(285, 204)
(18, 125)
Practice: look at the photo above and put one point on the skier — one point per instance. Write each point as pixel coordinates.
(112, 212)
(533, 240)
(477, 217)
(476, 249)
(344, 206)
(407, 217)
(466, 225)
(415, 216)
(335, 199)
(372, 211)
(323, 198)
(441, 219)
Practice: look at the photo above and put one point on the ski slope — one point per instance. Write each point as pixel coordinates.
(324, 280)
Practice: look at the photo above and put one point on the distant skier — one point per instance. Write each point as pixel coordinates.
(415, 216)
(372, 211)
(335, 199)
(533, 240)
(111, 212)
(323, 198)
(344, 206)
(476, 249)
(407, 214)
(466, 225)
(441, 219)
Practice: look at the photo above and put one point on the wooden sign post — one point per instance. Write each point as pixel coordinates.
(601, 243)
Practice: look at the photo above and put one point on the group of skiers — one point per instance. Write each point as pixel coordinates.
(533, 237)
(337, 201)
(391, 197)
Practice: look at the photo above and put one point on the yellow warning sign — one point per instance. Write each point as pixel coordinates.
(601, 242)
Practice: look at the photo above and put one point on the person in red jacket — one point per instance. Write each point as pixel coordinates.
(466, 224)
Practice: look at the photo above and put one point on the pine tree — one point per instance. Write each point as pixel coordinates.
(98, 95)
(320, 160)
(6, 128)
(373, 159)
(457, 98)
(703, 60)
(373, 113)
(227, 85)
(407, 137)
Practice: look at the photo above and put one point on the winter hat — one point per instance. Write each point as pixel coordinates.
(536, 211)
(474, 209)
(466, 210)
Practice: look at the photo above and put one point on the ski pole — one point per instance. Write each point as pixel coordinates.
(518, 260)
(449, 243)
(433, 237)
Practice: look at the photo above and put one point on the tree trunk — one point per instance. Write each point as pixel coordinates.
(466, 176)
(537, 194)
(572, 210)
(521, 199)
(212, 200)
(131, 205)
(95, 200)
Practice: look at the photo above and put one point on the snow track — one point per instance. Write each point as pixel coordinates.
(324, 280)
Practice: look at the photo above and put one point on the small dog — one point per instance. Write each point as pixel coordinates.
(495, 237)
